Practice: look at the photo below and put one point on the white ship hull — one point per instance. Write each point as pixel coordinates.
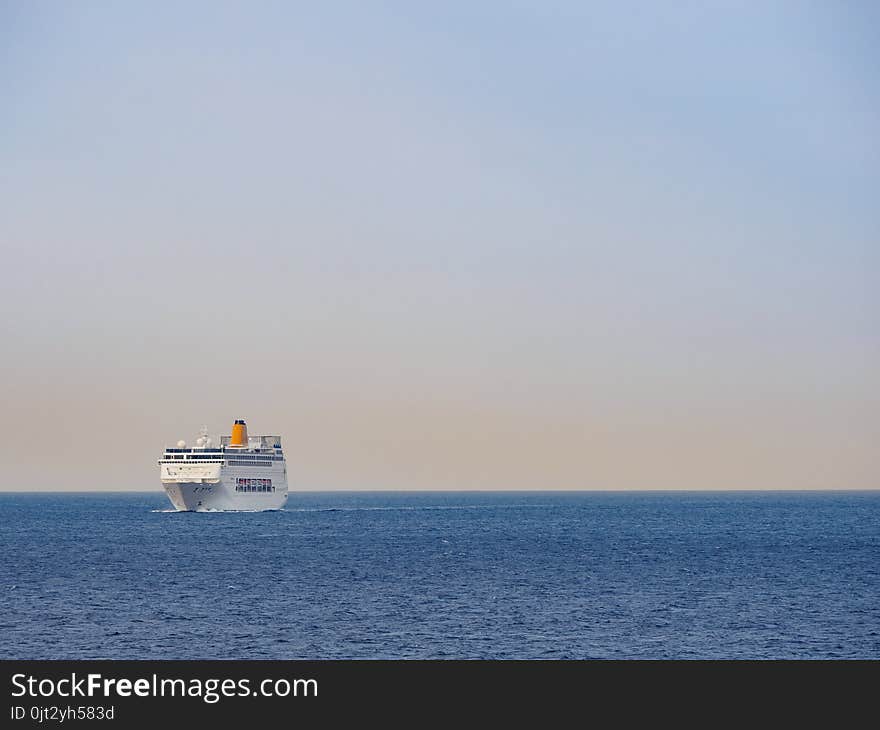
(198, 497)
(210, 487)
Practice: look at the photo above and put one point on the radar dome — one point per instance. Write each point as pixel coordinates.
(181, 444)
(200, 441)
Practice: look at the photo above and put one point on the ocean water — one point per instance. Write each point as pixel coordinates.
(434, 575)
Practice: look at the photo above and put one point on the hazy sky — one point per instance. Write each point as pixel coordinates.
(443, 245)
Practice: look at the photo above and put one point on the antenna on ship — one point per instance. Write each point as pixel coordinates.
(204, 440)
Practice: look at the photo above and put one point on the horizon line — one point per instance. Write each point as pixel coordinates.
(477, 491)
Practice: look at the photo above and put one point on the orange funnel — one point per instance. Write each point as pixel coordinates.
(239, 434)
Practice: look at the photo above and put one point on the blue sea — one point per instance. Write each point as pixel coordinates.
(443, 575)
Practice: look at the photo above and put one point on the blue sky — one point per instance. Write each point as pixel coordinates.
(457, 245)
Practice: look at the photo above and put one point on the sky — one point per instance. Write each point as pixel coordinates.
(458, 245)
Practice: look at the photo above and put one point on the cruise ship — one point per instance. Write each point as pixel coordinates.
(242, 473)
